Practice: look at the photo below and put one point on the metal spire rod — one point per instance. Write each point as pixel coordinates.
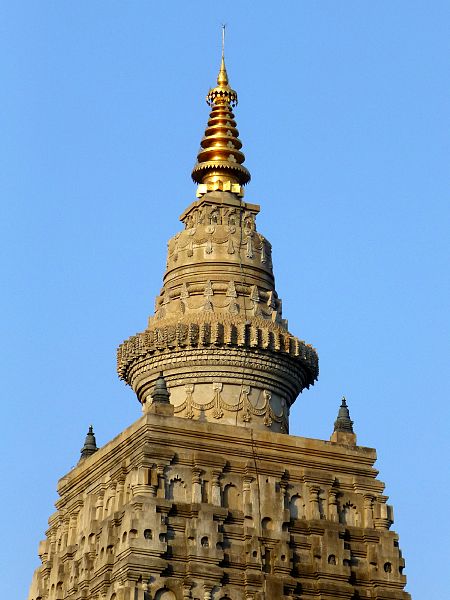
(223, 40)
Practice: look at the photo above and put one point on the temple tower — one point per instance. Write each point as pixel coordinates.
(217, 333)
(206, 496)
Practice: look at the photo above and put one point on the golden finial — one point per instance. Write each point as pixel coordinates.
(222, 78)
(219, 161)
(222, 92)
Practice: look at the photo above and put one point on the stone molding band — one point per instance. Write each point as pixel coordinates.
(235, 366)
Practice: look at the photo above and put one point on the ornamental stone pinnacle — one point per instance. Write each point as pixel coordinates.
(343, 421)
(343, 426)
(160, 393)
(160, 399)
(90, 444)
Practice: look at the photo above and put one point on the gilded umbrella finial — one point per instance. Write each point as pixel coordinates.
(219, 161)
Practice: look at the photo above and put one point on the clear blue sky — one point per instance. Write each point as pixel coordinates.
(345, 123)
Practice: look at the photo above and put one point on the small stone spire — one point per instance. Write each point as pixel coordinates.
(160, 399)
(160, 393)
(90, 445)
(343, 426)
(343, 421)
(219, 161)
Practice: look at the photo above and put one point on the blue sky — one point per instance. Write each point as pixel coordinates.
(344, 118)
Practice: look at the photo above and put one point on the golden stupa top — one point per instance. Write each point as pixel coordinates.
(219, 160)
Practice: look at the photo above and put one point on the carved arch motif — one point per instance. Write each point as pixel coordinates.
(176, 489)
(297, 507)
(349, 515)
(214, 216)
(165, 594)
(231, 497)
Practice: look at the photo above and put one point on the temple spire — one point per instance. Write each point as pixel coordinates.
(220, 160)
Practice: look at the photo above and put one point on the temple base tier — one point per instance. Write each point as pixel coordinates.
(180, 509)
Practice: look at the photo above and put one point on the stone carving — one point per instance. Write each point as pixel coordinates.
(231, 290)
(217, 400)
(231, 293)
(231, 497)
(188, 402)
(333, 505)
(218, 405)
(250, 253)
(197, 334)
(297, 507)
(369, 500)
(184, 295)
(213, 236)
(176, 489)
(173, 302)
(165, 594)
(348, 514)
(246, 404)
(208, 293)
(196, 484)
(254, 297)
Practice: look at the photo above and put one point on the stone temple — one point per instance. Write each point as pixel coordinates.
(207, 496)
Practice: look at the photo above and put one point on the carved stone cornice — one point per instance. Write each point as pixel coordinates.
(208, 332)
